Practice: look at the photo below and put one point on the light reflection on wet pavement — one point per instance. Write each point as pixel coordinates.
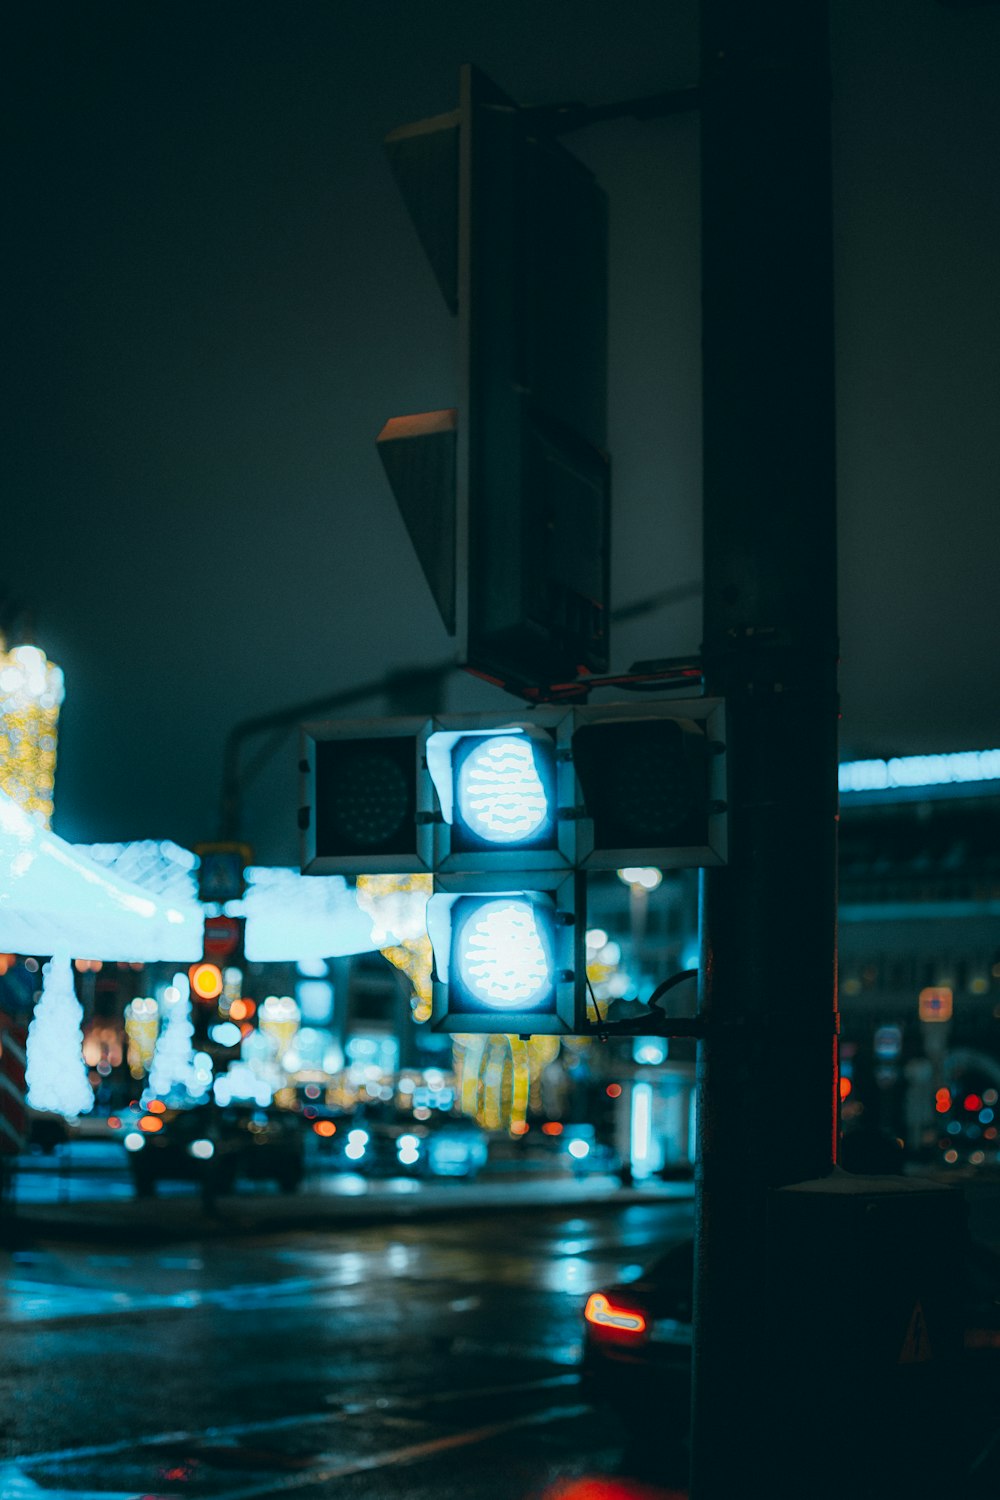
(412, 1360)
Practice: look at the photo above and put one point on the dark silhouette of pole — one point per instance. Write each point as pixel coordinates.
(767, 1066)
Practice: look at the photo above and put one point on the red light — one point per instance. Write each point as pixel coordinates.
(552, 1127)
(973, 1103)
(613, 1090)
(845, 1087)
(114, 1123)
(942, 1101)
(604, 1314)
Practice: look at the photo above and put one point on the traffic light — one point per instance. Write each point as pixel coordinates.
(506, 955)
(510, 815)
(366, 807)
(504, 791)
(507, 499)
(579, 788)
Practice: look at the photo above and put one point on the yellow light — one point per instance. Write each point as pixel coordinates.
(396, 904)
(206, 981)
(142, 1024)
(31, 690)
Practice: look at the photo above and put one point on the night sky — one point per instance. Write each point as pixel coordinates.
(216, 299)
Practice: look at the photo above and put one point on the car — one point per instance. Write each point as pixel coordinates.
(381, 1141)
(46, 1131)
(213, 1147)
(638, 1340)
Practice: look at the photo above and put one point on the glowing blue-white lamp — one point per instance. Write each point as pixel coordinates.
(499, 792)
(505, 960)
(502, 953)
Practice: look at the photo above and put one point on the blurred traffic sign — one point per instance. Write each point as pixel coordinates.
(221, 872)
(935, 1004)
(223, 938)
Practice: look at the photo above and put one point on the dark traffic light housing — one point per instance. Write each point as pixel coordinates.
(507, 500)
(363, 791)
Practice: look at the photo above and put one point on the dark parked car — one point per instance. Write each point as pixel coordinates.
(638, 1336)
(637, 1342)
(213, 1147)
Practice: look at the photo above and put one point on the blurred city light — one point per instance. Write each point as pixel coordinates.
(919, 770)
(31, 690)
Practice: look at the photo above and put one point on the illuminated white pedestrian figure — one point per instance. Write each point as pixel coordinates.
(500, 793)
(502, 957)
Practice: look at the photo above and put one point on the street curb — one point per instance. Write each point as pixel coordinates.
(183, 1218)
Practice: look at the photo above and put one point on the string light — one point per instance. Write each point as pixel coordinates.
(31, 691)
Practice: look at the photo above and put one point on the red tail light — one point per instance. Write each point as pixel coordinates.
(600, 1311)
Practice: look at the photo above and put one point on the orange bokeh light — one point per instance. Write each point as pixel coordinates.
(942, 1101)
(156, 1107)
(845, 1087)
(206, 981)
(325, 1127)
(520, 1127)
(552, 1127)
(151, 1124)
(613, 1090)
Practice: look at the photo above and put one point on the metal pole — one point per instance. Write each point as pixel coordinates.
(767, 1065)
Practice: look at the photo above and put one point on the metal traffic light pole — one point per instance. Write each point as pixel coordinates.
(767, 1064)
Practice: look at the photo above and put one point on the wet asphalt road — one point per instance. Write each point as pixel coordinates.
(408, 1359)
